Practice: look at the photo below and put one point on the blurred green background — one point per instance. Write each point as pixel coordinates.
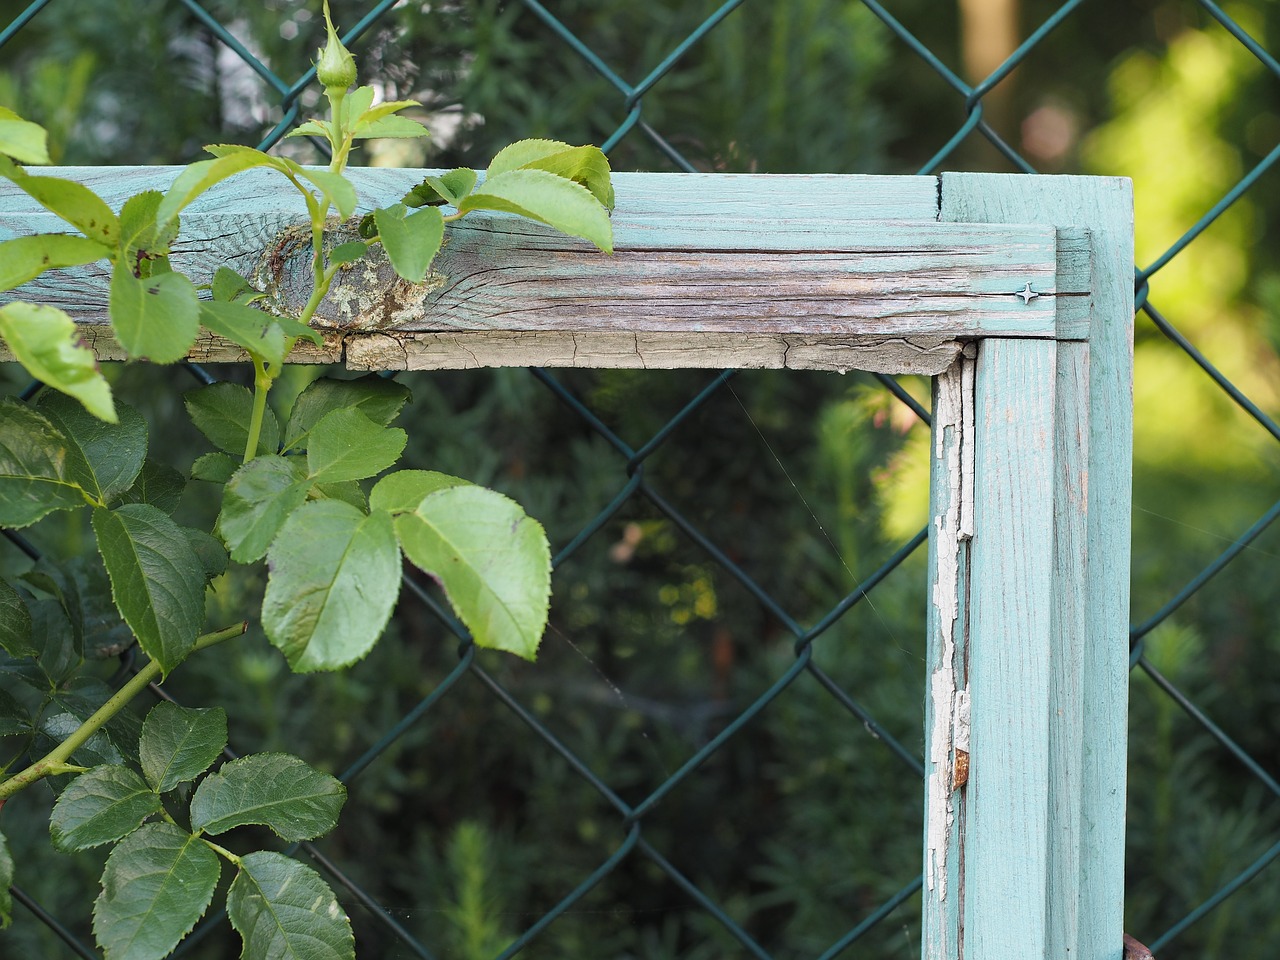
(470, 827)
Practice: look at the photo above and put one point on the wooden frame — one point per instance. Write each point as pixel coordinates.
(1015, 292)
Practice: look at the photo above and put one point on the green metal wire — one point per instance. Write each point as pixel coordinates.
(634, 484)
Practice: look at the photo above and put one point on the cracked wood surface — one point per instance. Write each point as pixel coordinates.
(710, 270)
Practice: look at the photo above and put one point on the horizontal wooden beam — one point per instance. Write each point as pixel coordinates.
(709, 270)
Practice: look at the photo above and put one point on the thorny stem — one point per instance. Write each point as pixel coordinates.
(56, 760)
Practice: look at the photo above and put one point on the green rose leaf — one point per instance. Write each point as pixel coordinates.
(34, 476)
(335, 576)
(157, 484)
(210, 551)
(252, 329)
(98, 749)
(492, 559)
(347, 445)
(449, 187)
(198, 177)
(180, 743)
(274, 790)
(104, 459)
(214, 467)
(99, 807)
(157, 317)
(312, 128)
(26, 142)
(348, 491)
(45, 341)
(539, 195)
(334, 187)
(72, 201)
(348, 252)
(157, 883)
(15, 720)
(6, 881)
(223, 411)
(282, 908)
(585, 165)
(25, 258)
(156, 579)
(258, 499)
(402, 491)
(229, 287)
(411, 241)
(139, 232)
(402, 128)
(376, 397)
(522, 153)
(15, 623)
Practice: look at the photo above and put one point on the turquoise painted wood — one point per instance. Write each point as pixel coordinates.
(747, 268)
(1016, 292)
(1047, 882)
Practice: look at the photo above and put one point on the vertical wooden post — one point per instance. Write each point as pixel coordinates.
(1025, 859)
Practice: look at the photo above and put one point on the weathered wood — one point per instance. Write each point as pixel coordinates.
(1005, 846)
(1083, 883)
(856, 264)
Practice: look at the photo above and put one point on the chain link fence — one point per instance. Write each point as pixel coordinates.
(798, 747)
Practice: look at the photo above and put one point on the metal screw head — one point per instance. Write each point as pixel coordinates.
(1026, 293)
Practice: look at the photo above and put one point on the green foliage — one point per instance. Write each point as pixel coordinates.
(295, 496)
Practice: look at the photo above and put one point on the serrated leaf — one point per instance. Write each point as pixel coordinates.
(34, 478)
(72, 201)
(335, 188)
(274, 790)
(335, 577)
(258, 499)
(101, 806)
(157, 883)
(15, 720)
(157, 484)
(312, 128)
(492, 559)
(156, 579)
(299, 331)
(449, 187)
(52, 636)
(216, 467)
(348, 491)
(198, 177)
(252, 329)
(378, 398)
(354, 105)
(402, 491)
(180, 743)
(567, 206)
(402, 128)
(585, 165)
(347, 445)
(26, 142)
(102, 458)
(82, 696)
(284, 910)
(6, 881)
(157, 317)
(45, 341)
(223, 411)
(229, 287)
(25, 258)
(98, 749)
(348, 252)
(15, 623)
(385, 109)
(412, 241)
(88, 598)
(209, 550)
(516, 155)
(139, 231)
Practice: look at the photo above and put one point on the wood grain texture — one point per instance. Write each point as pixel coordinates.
(1006, 840)
(853, 262)
(950, 496)
(1103, 206)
